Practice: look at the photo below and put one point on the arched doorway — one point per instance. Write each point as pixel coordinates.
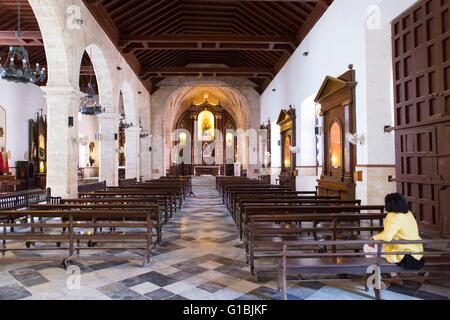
(88, 125)
(204, 141)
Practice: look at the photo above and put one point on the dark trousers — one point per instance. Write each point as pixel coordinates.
(411, 263)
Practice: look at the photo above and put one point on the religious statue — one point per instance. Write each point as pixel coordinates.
(4, 165)
(92, 154)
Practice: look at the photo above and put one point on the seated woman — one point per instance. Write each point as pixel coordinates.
(400, 224)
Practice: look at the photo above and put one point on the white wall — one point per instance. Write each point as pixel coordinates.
(88, 126)
(341, 37)
(21, 102)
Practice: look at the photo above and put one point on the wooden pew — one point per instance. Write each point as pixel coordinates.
(241, 199)
(294, 202)
(92, 187)
(268, 232)
(223, 184)
(127, 182)
(165, 199)
(157, 219)
(296, 262)
(176, 193)
(281, 192)
(229, 191)
(186, 180)
(105, 200)
(304, 210)
(222, 180)
(69, 231)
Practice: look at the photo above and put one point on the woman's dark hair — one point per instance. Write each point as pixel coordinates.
(395, 202)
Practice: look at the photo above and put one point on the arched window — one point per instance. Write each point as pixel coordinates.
(335, 145)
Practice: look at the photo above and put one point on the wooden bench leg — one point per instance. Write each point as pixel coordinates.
(378, 294)
(282, 283)
(4, 243)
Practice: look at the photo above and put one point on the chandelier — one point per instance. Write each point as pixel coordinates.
(123, 124)
(89, 106)
(144, 134)
(21, 72)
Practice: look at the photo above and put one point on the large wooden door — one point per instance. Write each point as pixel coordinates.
(421, 50)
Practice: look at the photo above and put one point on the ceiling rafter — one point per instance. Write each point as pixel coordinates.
(172, 35)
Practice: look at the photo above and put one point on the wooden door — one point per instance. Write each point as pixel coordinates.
(421, 50)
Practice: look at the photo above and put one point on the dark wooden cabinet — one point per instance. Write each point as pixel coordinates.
(26, 173)
(338, 105)
(421, 60)
(37, 152)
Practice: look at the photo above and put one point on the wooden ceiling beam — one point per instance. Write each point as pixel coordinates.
(103, 18)
(242, 72)
(27, 38)
(202, 38)
(313, 18)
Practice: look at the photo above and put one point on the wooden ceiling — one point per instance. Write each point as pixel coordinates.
(170, 38)
(31, 37)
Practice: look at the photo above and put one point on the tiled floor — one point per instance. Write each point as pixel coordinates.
(201, 259)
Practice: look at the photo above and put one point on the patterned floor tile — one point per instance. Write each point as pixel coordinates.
(28, 277)
(159, 294)
(145, 288)
(118, 291)
(13, 292)
(212, 287)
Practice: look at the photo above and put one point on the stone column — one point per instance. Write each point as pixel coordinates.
(132, 142)
(62, 144)
(109, 158)
(146, 158)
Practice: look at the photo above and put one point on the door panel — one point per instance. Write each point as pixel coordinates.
(421, 46)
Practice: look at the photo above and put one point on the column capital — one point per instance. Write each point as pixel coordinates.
(133, 129)
(109, 116)
(62, 91)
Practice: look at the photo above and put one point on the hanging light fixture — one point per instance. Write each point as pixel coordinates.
(20, 73)
(144, 134)
(123, 124)
(89, 106)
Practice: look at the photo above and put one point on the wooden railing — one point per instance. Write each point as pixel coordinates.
(22, 199)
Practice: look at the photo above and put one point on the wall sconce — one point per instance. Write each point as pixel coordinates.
(354, 139)
(388, 129)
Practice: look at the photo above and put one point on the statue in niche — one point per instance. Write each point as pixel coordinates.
(92, 154)
(206, 126)
(41, 146)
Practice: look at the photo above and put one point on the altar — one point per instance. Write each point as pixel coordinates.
(207, 170)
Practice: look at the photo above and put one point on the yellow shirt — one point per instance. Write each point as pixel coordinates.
(398, 227)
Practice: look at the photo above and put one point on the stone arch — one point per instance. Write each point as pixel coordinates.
(178, 101)
(104, 81)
